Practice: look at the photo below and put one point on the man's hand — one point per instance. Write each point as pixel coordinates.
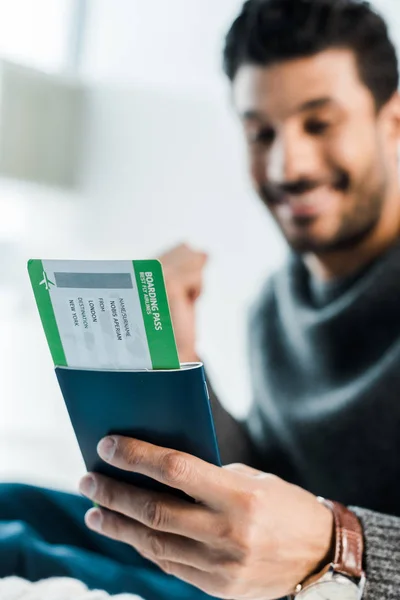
(183, 271)
(248, 535)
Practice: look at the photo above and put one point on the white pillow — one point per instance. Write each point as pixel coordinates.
(56, 588)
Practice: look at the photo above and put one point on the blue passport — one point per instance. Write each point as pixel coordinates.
(168, 408)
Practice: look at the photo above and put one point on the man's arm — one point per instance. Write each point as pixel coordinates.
(382, 554)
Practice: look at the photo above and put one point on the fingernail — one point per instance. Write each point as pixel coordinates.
(87, 486)
(94, 519)
(106, 448)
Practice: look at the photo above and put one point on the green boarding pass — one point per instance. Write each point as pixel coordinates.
(110, 314)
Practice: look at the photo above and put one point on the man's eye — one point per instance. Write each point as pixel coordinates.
(317, 127)
(264, 136)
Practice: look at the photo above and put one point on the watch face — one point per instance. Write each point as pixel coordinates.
(338, 589)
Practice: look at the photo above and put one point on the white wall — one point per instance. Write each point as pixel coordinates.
(36, 33)
(174, 42)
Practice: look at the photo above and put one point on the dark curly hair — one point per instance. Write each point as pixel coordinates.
(271, 31)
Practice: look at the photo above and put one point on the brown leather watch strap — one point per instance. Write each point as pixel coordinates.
(349, 542)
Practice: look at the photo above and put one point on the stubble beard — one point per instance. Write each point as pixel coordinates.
(356, 224)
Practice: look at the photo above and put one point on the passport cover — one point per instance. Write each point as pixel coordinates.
(168, 408)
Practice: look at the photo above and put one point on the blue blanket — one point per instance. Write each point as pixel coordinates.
(42, 534)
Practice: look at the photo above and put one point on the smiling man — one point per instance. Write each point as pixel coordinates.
(309, 504)
(314, 83)
(321, 155)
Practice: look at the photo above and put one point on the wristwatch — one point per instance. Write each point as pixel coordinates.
(344, 579)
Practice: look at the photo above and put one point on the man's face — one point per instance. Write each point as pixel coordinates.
(321, 157)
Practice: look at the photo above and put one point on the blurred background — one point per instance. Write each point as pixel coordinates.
(118, 140)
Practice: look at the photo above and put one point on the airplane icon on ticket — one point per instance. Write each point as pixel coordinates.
(46, 281)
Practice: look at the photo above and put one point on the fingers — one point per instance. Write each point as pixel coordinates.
(183, 254)
(183, 269)
(154, 545)
(200, 480)
(160, 512)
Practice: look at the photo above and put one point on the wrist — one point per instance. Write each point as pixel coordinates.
(343, 573)
(322, 544)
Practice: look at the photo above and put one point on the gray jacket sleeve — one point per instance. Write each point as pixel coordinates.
(381, 554)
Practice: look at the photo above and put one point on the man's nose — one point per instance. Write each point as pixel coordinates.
(292, 157)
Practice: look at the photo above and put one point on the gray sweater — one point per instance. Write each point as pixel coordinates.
(325, 368)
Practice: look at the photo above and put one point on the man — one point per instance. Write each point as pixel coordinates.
(315, 85)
